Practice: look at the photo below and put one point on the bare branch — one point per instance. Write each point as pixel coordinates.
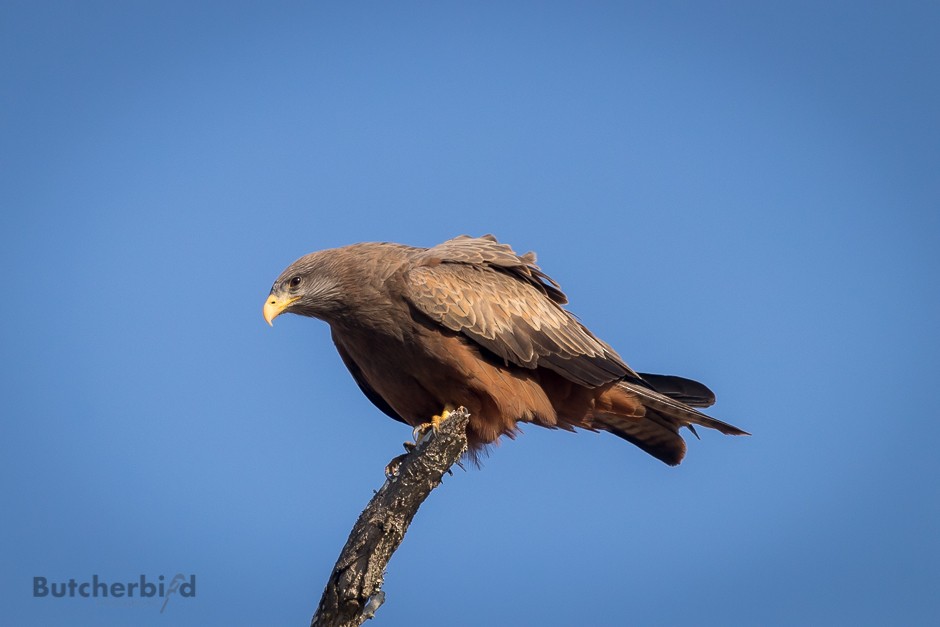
(353, 592)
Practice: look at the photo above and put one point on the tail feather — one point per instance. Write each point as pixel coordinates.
(652, 433)
(684, 390)
(682, 413)
(657, 430)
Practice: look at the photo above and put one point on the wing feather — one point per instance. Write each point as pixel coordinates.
(363, 384)
(504, 302)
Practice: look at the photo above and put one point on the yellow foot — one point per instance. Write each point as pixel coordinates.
(421, 431)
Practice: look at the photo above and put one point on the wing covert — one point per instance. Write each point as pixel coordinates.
(504, 302)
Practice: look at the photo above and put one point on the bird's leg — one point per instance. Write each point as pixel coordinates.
(422, 430)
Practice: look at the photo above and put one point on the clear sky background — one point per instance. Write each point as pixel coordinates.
(743, 193)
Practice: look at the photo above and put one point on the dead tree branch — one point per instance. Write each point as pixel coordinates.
(354, 590)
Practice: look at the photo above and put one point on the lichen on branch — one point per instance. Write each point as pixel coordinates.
(353, 592)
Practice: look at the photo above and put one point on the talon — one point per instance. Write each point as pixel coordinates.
(422, 430)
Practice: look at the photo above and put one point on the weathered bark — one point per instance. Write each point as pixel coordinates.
(354, 590)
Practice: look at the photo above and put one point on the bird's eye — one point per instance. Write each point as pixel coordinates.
(295, 282)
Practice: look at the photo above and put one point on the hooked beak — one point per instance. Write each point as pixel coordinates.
(275, 305)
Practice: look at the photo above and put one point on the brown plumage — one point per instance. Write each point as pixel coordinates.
(469, 322)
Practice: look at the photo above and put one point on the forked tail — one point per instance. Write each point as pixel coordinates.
(666, 409)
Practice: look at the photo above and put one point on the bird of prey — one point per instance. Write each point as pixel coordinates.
(471, 323)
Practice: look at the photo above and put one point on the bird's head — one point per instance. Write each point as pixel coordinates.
(310, 287)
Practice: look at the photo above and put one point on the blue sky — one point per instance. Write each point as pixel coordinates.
(743, 193)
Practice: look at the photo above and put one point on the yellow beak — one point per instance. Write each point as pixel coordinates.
(275, 305)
